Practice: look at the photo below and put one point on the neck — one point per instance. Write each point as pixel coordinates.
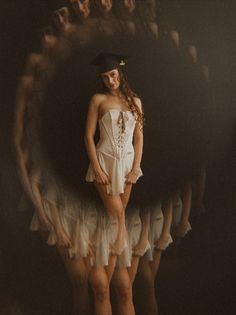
(115, 92)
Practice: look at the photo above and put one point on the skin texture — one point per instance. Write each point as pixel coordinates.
(181, 228)
(139, 249)
(81, 8)
(61, 19)
(48, 41)
(129, 5)
(115, 205)
(105, 5)
(192, 52)
(174, 36)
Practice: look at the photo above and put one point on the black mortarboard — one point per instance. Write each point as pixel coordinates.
(108, 61)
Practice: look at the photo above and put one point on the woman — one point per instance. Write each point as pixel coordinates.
(114, 168)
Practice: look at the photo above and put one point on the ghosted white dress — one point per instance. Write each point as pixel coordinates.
(155, 230)
(77, 218)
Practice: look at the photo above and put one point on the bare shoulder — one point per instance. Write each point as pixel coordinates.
(97, 98)
(138, 102)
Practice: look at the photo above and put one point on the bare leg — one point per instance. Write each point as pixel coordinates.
(132, 270)
(135, 259)
(78, 274)
(115, 206)
(100, 285)
(112, 261)
(123, 288)
(115, 209)
(145, 301)
(126, 195)
(155, 263)
(111, 266)
(141, 246)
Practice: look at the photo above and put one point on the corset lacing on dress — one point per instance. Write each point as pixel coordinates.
(115, 149)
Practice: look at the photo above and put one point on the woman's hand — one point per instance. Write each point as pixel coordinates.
(101, 177)
(63, 239)
(162, 242)
(181, 229)
(131, 177)
(45, 223)
(140, 248)
(91, 251)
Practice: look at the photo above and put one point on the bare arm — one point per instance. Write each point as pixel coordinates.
(24, 94)
(184, 225)
(140, 248)
(165, 234)
(37, 200)
(138, 150)
(91, 125)
(22, 161)
(138, 142)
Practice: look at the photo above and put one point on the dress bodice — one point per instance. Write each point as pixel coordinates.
(116, 133)
(115, 150)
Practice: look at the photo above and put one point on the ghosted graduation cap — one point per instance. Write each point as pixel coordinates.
(108, 61)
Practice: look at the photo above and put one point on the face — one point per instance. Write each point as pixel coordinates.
(81, 7)
(105, 5)
(48, 38)
(111, 79)
(130, 5)
(61, 18)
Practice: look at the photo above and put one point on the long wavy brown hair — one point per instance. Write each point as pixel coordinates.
(129, 96)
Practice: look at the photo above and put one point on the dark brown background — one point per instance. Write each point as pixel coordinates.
(200, 281)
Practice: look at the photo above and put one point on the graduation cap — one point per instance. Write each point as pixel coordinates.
(108, 61)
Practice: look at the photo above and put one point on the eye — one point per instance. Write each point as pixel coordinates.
(104, 77)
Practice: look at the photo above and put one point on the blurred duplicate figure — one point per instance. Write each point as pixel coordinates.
(57, 213)
(159, 239)
(182, 201)
(61, 19)
(82, 9)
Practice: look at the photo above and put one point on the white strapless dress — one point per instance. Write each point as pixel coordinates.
(115, 149)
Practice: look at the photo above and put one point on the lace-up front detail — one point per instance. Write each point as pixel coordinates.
(115, 149)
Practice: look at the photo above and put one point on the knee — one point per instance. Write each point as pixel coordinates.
(123, 290)
(118, 213)
(145, 280)
(100, 288)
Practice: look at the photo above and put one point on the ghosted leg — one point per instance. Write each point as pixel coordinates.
(155, 263)
(99, 282)
(132, 270)
(115, 209)
(135, 259)
(144, 288)
(78, 274)
(123, 289)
